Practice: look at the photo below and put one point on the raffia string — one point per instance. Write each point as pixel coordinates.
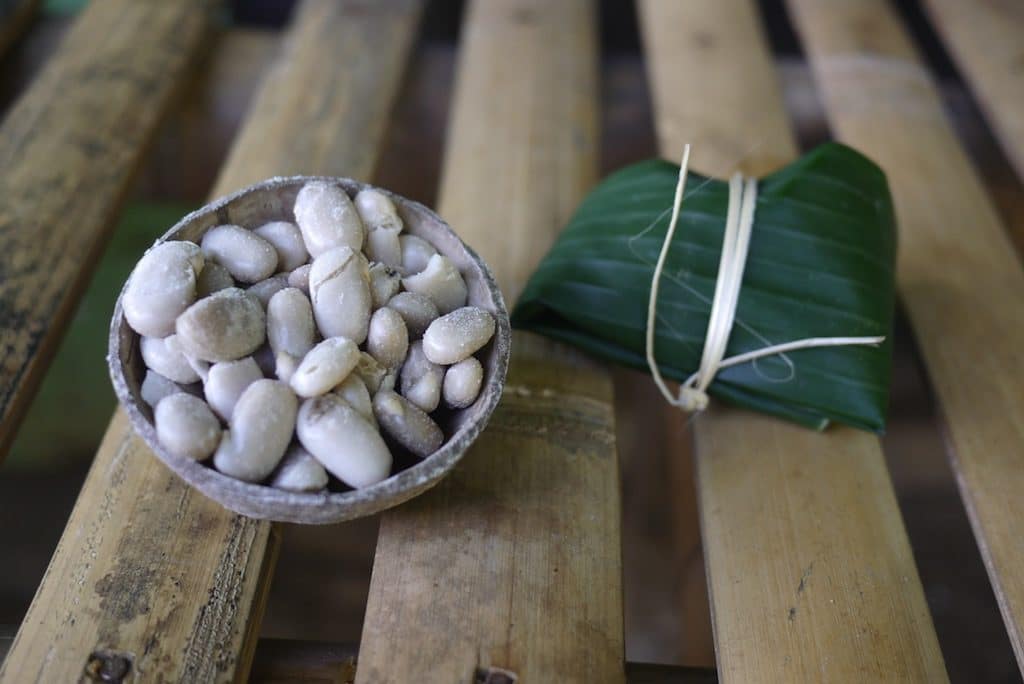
(739, 222)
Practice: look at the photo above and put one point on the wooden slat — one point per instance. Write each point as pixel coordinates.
(14, 19)
(810, 571)
(67, 149)
(147, 566)
(985, 39)
(513, 561)
(958, 272)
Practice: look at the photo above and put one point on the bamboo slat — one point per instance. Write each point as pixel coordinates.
(958, 272)
(985, 40)
(67, 149)
(147, 568)
(513, 561)
(809, 567)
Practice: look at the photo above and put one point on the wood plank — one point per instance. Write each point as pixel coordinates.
(284, 661)
(958, 272)
(810, 571)
(513, 561)
(147, 566)
(15, 18)
(985, 40)
(67, 149)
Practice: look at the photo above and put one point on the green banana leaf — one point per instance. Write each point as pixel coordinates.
(821, 264)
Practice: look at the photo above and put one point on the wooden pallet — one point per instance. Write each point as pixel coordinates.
(512, 565)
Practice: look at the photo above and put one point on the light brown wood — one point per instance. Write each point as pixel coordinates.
(513, 561)
(148, 566)
(958, 272)
(985, 40)
(67, 149)
(810, 571)
(15, 20)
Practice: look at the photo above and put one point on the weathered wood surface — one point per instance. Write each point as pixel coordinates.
(513, 561)
(958, 273)
(810, 571)
(67, 149)
(15, 17)
(146, 565)
(985, 40)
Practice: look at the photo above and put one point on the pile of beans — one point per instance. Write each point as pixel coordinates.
(289, 351)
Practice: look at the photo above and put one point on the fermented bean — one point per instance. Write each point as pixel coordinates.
(325, 366)
(353, 390)
(162, 285)
(377, 211)
(290, 322)
(213, 277)
(261, 427)
(440, 281)
(299, 472)
(285, 365)
(407, 424)
(300, 278)
(265, 289)
(417, 310)
(462, 383)
(370, 372)
(421, 379)
(384, 284)
(164, 355)
(387, 339)
(156, 387)
(286, 239)
(344, 442)
(382, 246)
(247, 257)
(186, 427)
(327, 218)
(339, 285)
(416, 253)
(225, 326)
(227, 381)
(458, 335)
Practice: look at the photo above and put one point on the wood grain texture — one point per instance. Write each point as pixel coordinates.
(15, 18)
(958, 273)
(513, 561)
(68, 148)
(810, 571)
(147, 566)
(985, 40)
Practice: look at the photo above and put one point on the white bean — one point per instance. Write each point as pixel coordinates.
(265, 359)
(164, 355)
(370, 372)
(186, 427)
(247, 257)
(287, 241)
(225, 326)
(384, 284)
(382, 246)
(285, 365)
(387, 340)
(162, 285)
(458, 335)
(462, 383)
(327, 218)
(416, 253)
(214, 277)
(339, 285)
(377, 211)
(353, 390)
(290, 325)
(299, 472)
(440, 281)
(300, 278)
(407, 424)
(227, 381)
(343, 441)
(421, 379)
(262, 425)
(156, 387)
(417, 310)
(265, 289)
(325, 366)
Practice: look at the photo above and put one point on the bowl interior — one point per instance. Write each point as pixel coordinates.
(273, 200)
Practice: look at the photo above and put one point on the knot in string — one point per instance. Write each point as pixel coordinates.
(739, 223)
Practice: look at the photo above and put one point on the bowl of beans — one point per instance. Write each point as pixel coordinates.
(310, 349)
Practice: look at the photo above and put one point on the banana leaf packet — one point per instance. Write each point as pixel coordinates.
(821, 264)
